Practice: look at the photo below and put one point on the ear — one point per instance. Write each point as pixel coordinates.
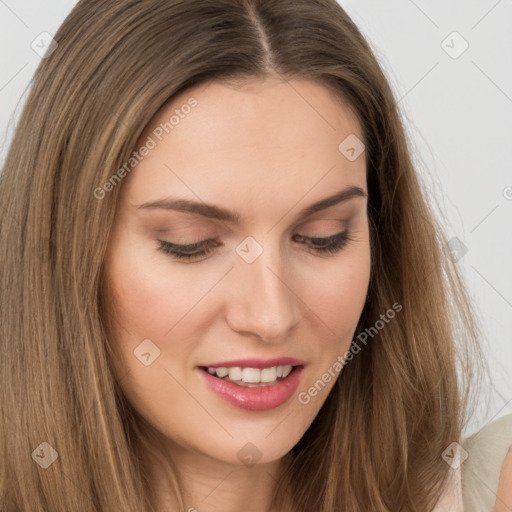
(504, 496)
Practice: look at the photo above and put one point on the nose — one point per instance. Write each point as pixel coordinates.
(263, 304)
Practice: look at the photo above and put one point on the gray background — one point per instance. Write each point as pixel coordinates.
(458, 111)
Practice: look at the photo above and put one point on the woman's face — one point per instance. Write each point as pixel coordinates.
(240, 167)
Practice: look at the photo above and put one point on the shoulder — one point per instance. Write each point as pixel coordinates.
(504, 496)
(487, 470)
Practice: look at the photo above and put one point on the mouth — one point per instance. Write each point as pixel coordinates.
(254, 389)
(251, 377)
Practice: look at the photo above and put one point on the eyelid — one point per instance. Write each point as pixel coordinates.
(192, 246)
(332, 223)
(321, 246)
(192, 222)
(210, 241)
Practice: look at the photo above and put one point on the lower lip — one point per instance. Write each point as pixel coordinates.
(258, 398)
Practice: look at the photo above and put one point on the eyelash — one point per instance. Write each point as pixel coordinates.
(330, 245)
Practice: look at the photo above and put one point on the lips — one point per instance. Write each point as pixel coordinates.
(253, 396)
(258, 398)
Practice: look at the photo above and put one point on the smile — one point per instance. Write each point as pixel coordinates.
(251, 377)
(254, 389)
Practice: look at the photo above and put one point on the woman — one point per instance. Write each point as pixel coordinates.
(225, 287)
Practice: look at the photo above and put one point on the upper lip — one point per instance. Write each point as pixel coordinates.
(257, 363)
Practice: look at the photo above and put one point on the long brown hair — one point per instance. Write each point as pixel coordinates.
(376, 444)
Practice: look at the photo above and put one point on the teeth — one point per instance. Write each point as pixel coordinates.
(286, 370)
(249, 375)
(252, 375)
(221, 372)
(268, 374)
(235, 373)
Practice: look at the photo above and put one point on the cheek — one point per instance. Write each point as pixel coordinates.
(336, 292)
(335, 301)
(148, 300)
(149, 293)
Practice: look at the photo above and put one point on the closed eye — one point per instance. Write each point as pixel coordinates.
(202, 249)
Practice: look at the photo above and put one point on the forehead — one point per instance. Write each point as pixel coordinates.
(269, 108)
(246, 140)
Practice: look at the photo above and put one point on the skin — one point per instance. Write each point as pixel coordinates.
(265, 149)
(504, 497)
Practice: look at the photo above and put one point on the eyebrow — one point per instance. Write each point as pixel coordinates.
(218, 213)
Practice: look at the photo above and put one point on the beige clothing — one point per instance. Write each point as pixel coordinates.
(486, 450)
